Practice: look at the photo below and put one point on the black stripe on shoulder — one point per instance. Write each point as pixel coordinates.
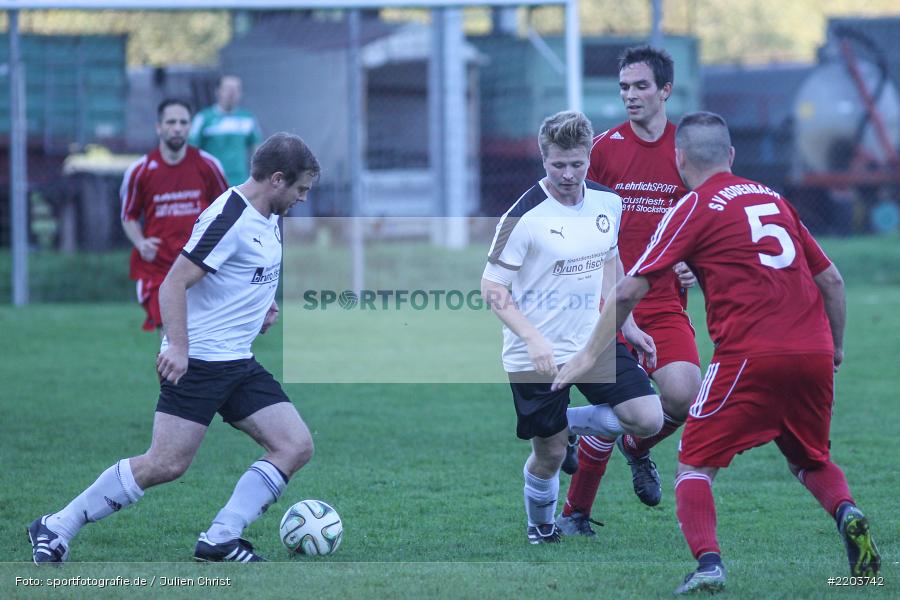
(593, 185)
(526, 202)
(497, 261)
(198, 262)
(224, 221)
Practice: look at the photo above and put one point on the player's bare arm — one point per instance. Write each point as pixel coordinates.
(634, 335)
(831, 286)
(500, 300)
(172, 363)
(628, 293)
(146, 246)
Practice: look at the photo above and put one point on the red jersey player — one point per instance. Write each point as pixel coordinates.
(162, 195)
(637, 160)
(776, 311)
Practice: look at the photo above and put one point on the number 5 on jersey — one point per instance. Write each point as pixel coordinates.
(758, 230)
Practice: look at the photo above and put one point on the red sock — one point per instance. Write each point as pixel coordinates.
(640, 446)
(696, 511)
(829, 486)
(593, 456)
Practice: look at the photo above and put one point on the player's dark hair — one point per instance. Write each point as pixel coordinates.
(161, 108)
(659, 61)
(567, 130)
(285, 153)
(703, 137)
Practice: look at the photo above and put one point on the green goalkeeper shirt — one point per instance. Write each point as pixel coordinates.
(230, 137)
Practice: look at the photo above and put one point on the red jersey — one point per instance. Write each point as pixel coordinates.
(755, 262)
(645, 176)
(168, 198)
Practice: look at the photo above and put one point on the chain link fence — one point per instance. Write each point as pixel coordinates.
(825, 134)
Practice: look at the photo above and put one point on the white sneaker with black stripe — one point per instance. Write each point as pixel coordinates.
(236, 550)
(46, 546)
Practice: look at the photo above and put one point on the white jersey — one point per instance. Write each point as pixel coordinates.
(241, 252)
(552, 257)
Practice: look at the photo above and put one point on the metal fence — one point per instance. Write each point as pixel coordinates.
(825, 134)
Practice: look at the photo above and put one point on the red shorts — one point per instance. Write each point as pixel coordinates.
(744, 403)
(148, 297)
(673, 335)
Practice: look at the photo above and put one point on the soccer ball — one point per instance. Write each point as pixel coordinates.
(311, 527)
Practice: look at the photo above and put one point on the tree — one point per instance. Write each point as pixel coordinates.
(730, 31)
(155, 38)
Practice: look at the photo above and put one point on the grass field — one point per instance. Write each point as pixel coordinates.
(427, 478)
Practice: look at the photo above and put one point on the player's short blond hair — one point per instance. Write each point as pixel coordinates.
(567, 130)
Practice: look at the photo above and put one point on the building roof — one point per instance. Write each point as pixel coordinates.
(380, 43)
(311, 32)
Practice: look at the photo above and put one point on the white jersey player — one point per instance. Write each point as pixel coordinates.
(218, 296)
(556, 251)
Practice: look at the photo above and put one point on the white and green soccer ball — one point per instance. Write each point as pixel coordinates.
(311, 527)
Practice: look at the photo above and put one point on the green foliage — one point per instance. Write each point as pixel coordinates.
(745, 32)
(155, 37)
(753, 32)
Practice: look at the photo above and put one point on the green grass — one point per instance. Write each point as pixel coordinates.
(103, 277)
(81, 277)
(427, 478)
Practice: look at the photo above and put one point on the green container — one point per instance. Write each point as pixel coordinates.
(75, 88)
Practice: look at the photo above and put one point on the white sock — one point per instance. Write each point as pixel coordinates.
(594, 419)
(112, 491)
(540, 498)
(260, 486)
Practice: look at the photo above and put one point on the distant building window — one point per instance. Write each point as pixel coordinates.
(397, 116)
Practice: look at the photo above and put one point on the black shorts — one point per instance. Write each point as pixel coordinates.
(234, 388)
(542, 413)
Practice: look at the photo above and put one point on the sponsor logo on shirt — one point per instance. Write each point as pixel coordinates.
(616, 136)
(647, 186)
(263, 275)
(646, 204)
(231, 125)
(558, 232)
(176, 196)
(577, 266)
(177, 204)
(603, 223)
(177, 209)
